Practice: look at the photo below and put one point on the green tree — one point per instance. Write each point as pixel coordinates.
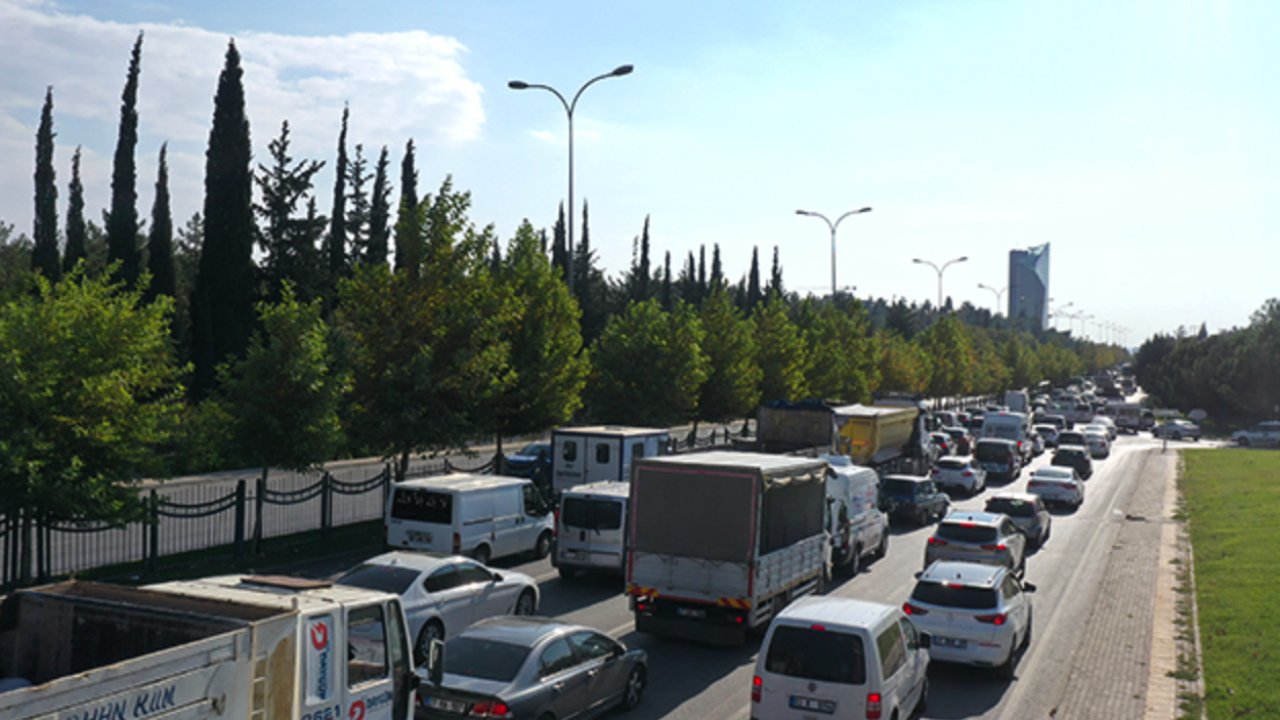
(76, 232)
(15, 262)
(160, 238)
(782, 352)
(222, 302)
(753, 281)
(668, 346)
(950, 350)
(379, 212)
(408, 220)
(904, 366)
(358, 206)
(122, 225)
(1022, 360)
(44, 255)
(640, 277)
(732, 389)
(843, 365)
(589, 286)
(775, 276)
(559, 252)
(283, 395)
(335, 249)
(288, 242)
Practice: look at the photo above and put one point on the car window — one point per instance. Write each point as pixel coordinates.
(558, 656)
(910, 633)
(965, 532)
(422, 505)
(1011, 587)
(897, 486)
(591, 645)
(533, 504)
(569, 452)
(956, 596)
(815, 653)
(1008, 528)
(637, 450)
(486, 659)
(893, 655)
(383, 578)
(366, 645)
(443, 579)
(1013, 507)
(602, 453)
(469, 572)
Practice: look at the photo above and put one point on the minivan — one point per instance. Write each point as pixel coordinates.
(591, 533)
(999, 457)
(840, 657)
(1013, 426)
(484, 516)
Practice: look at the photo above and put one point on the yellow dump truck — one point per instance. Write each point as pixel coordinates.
(874, 434)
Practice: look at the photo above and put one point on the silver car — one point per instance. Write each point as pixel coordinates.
(1027, 511)
(978, 537)
(532, 667)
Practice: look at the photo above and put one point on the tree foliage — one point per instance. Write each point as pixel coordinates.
(160, 237)
(44, 255)
(122, 224)
(843, 361)
(288, 239)
(76, 232)
(732, 388)
(782, 351)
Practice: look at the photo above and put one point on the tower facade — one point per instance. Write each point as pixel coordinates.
(1029, 285)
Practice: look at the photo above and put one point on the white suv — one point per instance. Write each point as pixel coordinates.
(975, 614)
(961, 472)
(1264, 434)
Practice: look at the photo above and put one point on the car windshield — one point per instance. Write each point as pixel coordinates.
(1008, 432)
(482, 658)
(1067, 454)
(953, 463)
(1013, 507)
(965, 532)
(1052, 474)
(1071, 438)
(533, 449)
(591, 514)
(383, 578)
(814, 653)
(954, 595)
(897, 486)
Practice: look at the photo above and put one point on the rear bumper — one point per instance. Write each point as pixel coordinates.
(984, 653)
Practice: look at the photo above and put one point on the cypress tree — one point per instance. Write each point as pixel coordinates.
(583, 262)
(688, 282)
(160, 239)
(408, 231)
(775, 276)
(379, 213)
(75, 250)
(702, 274)
(44, 253)
(288, 242)
(717, 271)
(358, 204)
(222, 315)
(666, 298)
(559, 251)
(336, 243)
(642, 271)
(753, 280)
(122, 225)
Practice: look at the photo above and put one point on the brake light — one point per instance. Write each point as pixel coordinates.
(997, 619)
(756, 686)
(937, 542)
(910, 609)
(936, 471)
(1033, 483)
(819, 628)
(873, 706)
(997, 548)
(457, 544)
(967, 473)
(490, 709)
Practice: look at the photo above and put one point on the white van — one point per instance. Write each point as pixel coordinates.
(603, 452)
(858, 528)
(839, 657)
(592, 528)
(484, 516)
(1009, 425)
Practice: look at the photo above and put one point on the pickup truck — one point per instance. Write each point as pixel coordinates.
(235, 647)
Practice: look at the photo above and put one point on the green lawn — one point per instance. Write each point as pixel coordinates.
(1232, 501)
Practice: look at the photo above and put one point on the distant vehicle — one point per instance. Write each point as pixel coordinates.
(963, 440)
(1057, 421)
(1074, 456)
(840, 657)
(1057, 485)
(521, 667)
(1027, 512)
(441, 596)
(1017, 401)
(916, 498)
(942, 443)
(944, 418)
(1177, 430)
(999, 457)
(1048, 433)
(1014, 426)
(1096, 441)
(1108, 424)
(981, 537)
(600, 452)
(857, 527)
(1264, 434)
(1072, 437)
(533, 461)
(960, 472)
(592, 529)
(975, 614)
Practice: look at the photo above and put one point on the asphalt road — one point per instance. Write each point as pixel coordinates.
(689, 680)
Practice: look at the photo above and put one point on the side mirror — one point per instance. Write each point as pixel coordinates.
(435, 662)
(1028, 587)
(496, 578)
(926, 641)
(918, 573)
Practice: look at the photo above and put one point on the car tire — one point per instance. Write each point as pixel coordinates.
(883, 548)
(633, 693)
(433, 630)
(1026, 637)
(1006, 670)
(855, 562)
(542, 548)
(1243, 442)
(481, 554)
(922, 517)
(526, 604)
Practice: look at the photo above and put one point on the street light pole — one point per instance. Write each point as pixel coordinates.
(569, 107)
(1058, 313)
(832, 226)
(998, 294)
(940, 270)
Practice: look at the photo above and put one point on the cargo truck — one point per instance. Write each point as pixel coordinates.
(233, 647)
(875, 435)
(582, 455)
(721, 541)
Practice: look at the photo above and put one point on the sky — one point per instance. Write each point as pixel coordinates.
(1137, 137)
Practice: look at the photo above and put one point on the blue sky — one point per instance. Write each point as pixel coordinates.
(1137, 137)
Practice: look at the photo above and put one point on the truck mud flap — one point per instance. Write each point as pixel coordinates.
(689, 630)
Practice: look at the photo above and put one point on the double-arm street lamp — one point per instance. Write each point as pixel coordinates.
(833, 226)
(569, 107)
(940, 270)
(1057, 313)
(998, 293)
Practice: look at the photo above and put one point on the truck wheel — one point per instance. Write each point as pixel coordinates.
(883, 548)
(855, 562)
(481, 554)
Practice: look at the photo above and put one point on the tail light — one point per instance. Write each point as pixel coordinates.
(910, 609)
(1034, 483)
(937, 542)
(457, 544)
(936, 471)
(756, 686)
(996, 548)
(873, 706)
(967, 473)
(997, 619)
(490, 709)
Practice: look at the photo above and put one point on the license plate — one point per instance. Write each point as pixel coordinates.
(419, 537)
(813, 704)
(453, 706)
(959, 643)
(691, 612)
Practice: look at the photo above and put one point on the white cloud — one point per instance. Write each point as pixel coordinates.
(398, 85)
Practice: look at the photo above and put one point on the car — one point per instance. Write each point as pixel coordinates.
(1264, 434)
(942, 443)
(974, 614)
(914, 497)
(1037, 443)
(1057, 486)
(979, 537)
(962, 440)
(960, 472)
(839, 657)
(1097, 443)
(945, 417)
(1107, 424)
(1076, 457)
(1177, 430)
(532, 667)
(533, 461)
(1048, 433)
(999, 457)
(1072, 437)
(1027, 512)
(442, 596)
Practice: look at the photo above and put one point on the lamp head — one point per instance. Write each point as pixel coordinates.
(918, 261)
(803, 212)
(962, 258)
(622, 70)
(518, 85)
(865, 209)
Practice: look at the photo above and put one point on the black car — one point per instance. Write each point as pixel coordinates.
(913, 497)
(532, 462)
(1074, 456)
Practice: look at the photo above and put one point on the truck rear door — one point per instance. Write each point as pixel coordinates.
(357, 664)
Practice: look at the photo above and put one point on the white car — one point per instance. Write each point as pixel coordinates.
(974, 614)
(441, 596)
(1096, 441)
(1057, 485)
(1264, 434)
(1107, 424)
(961, 472)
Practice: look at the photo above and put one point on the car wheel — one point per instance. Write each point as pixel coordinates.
(1006, 668)
(481, 554)
(433, 630)
(526, 604)
(634, 691)
(1243, 442)
(1026, 637)
(855, 562)
(922, 517)
(543, 546)
(883, 548)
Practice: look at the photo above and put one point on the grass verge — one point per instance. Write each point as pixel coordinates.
(1232, 501)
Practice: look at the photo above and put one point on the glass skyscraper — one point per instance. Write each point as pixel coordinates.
(1029, 285)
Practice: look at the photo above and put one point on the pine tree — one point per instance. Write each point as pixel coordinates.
(379, 213)
(582, 261)
(122, 226)
(688, 282)
(666, 297)
(358, 205)
(408, 228)
(775, 276)
(642, 277)
(222, 314)
(717, 270)
(336, 243)
(288, 242)
(702, 276)
(44, 253)
(559, 253)
(160, 239)
(75, 250)
(753, 280)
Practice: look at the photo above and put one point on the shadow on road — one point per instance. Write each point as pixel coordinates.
(560, 596)
(960, 691)
(681, 670)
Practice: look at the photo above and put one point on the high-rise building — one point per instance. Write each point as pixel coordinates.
(1029, 285)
